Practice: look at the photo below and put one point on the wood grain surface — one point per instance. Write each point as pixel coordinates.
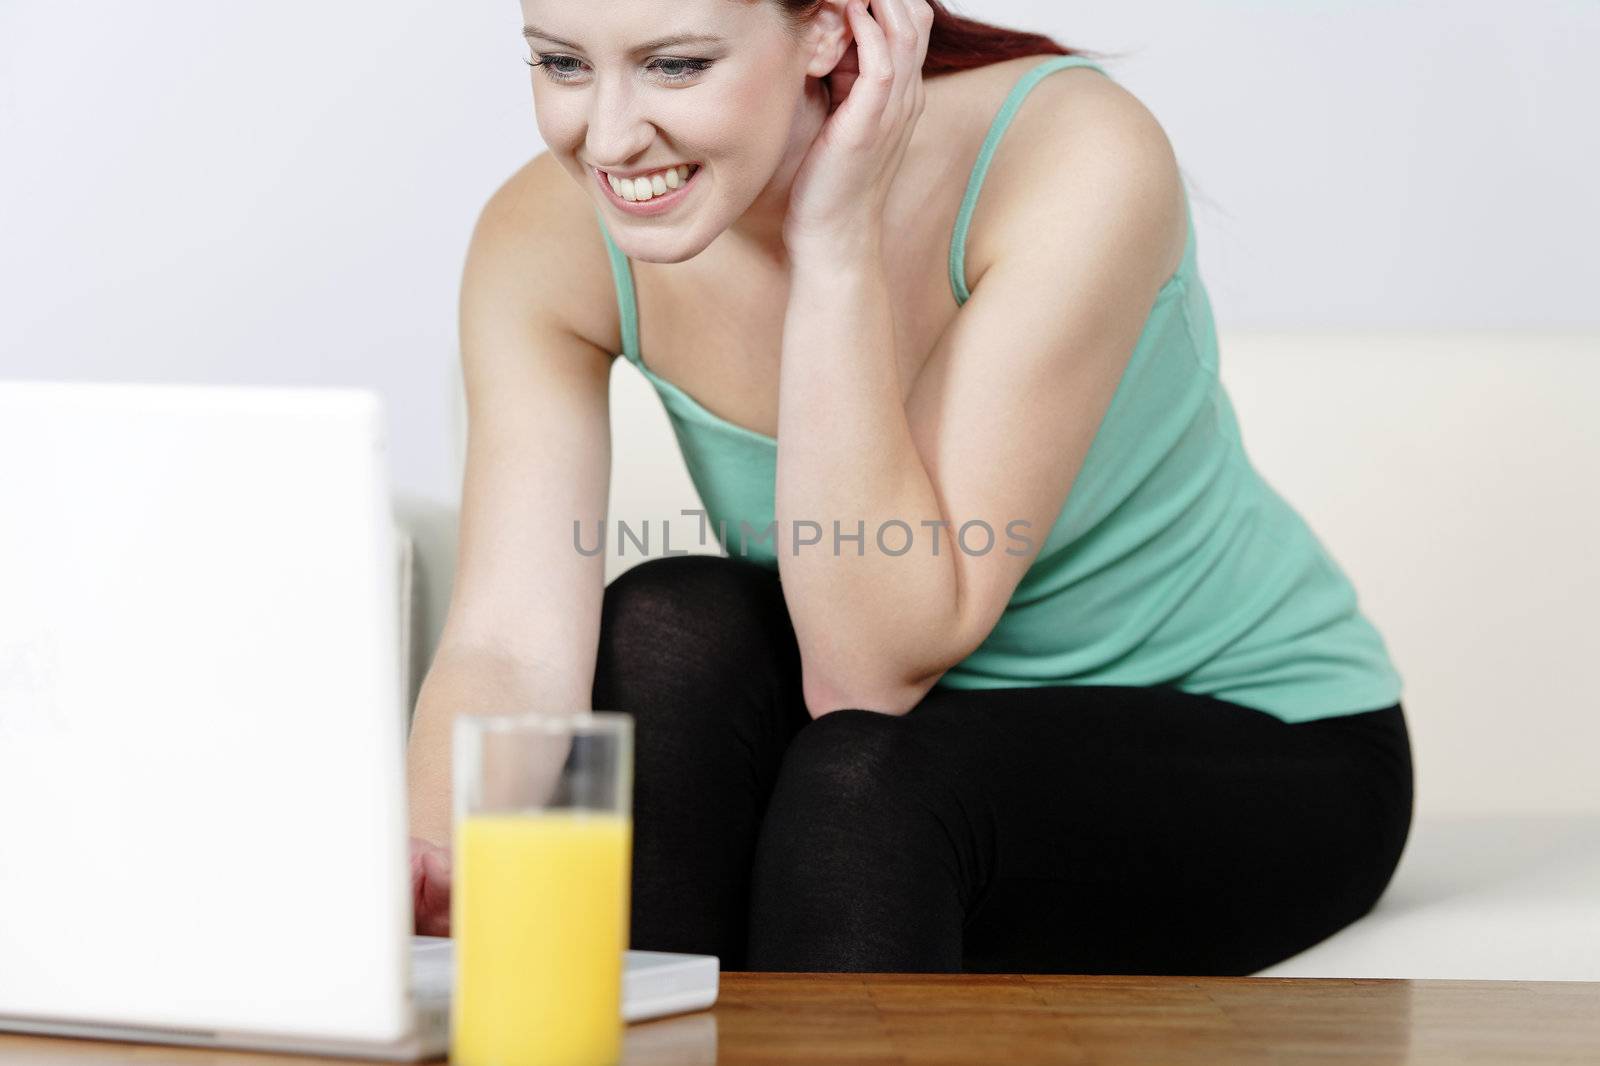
(983, 1020)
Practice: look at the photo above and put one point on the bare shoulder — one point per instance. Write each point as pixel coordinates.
(537, 251)
(1082, 151)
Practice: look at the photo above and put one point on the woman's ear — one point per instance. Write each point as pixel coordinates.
(830, 38)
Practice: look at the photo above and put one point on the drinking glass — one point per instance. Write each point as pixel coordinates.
(543, 835)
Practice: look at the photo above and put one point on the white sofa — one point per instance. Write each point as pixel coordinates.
(1456, 477)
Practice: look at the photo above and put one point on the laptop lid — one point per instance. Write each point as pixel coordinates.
(201, 726)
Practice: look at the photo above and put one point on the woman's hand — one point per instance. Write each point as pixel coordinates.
(843, 183)
(430, 887)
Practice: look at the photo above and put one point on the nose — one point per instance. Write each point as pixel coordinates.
(618, 130)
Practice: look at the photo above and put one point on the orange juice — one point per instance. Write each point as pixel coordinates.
(539, 912)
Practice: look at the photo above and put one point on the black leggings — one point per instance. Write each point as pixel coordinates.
(1072, 829)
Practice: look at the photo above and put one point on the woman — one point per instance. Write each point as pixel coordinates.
(1031, 671)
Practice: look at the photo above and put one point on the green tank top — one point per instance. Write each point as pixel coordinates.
(1172, 561)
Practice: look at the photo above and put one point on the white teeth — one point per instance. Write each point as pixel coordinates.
(636, 189)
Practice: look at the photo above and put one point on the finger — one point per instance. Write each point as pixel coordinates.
(922, 13)
(872, 55)
(917, 17)
(903, 34)
(908, 29)
(434, 924)
(438, 864)
(899, 30)
(435, 883)
(419, 910)
(900, 37)
(911, 47)
(432, 908)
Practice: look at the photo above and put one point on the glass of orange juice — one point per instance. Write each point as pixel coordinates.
(539, 901)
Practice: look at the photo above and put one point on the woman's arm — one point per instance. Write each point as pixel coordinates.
(523, 624)
(846, 458)
(998, 421)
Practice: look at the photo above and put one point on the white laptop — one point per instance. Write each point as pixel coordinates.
(202, 730)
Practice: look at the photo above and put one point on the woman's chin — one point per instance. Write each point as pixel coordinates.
(660, 246)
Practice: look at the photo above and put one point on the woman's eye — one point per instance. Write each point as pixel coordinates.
(554, 68)
(669, 70)
(681, 69)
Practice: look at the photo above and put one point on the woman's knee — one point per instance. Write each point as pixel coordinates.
(687, 618)
(857, 807)
(859, 763)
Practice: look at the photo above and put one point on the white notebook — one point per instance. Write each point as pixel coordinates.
(202, 729)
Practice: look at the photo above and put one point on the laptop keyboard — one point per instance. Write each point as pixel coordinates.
(432, 967)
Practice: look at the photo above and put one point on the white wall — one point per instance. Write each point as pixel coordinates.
(282, 193)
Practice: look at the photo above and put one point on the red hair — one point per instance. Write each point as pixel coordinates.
(956, 42)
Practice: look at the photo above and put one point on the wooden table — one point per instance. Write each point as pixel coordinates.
(981, 1020)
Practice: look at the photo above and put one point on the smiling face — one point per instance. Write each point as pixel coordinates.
(632, 95)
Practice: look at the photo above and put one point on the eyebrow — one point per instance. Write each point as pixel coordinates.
(680, 38)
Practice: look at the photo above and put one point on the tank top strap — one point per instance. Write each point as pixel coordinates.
(627, 304)
(997, 129)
